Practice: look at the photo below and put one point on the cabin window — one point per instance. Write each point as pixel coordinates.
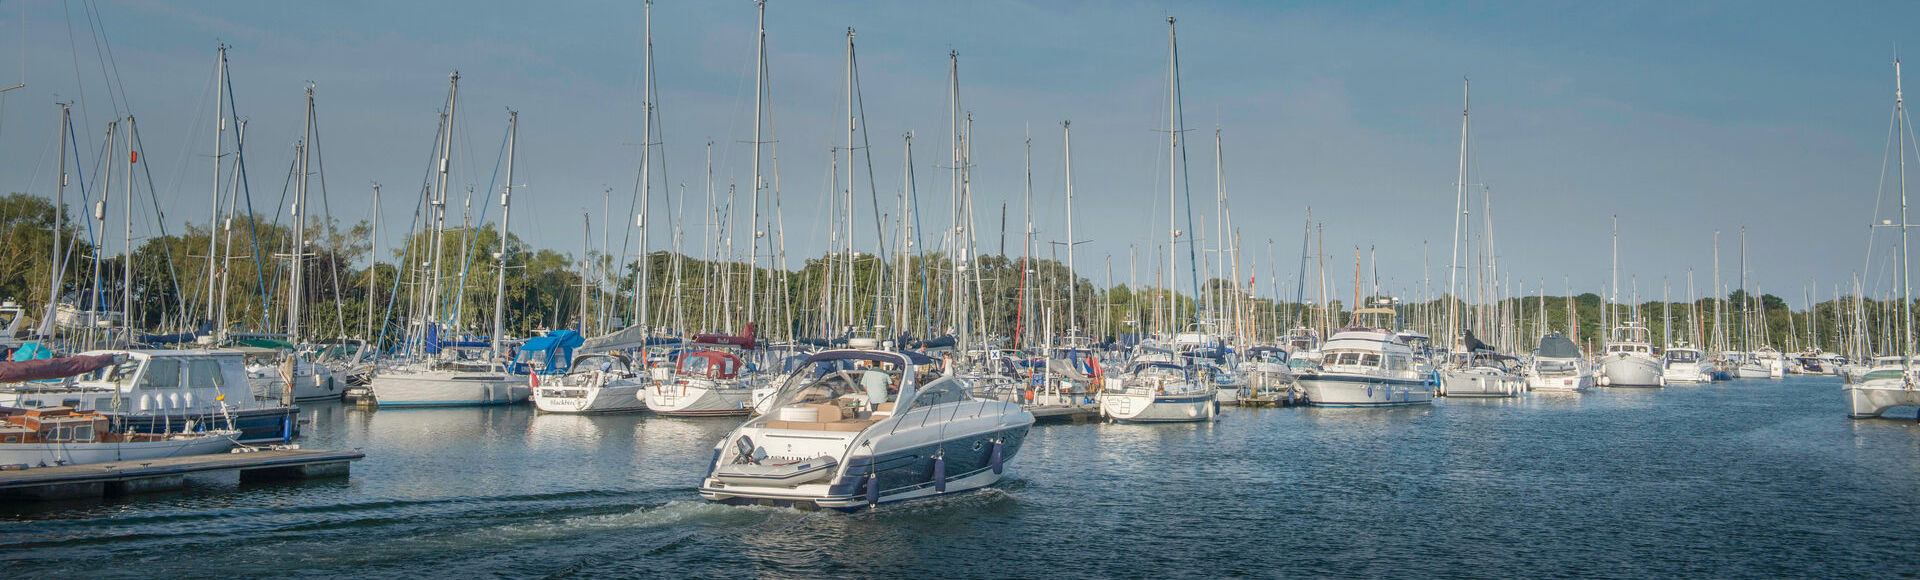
(206, 373)
(1399, 363)
(161, 374)
(12, 439)
(83, 433)
(1370, 360)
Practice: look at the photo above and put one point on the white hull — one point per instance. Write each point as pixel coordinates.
(1873, 398)
(1479, 383)
(1630, 371)
(50, 454)
(692, 401)
(612, 398)
(441, 388)
(1148, 408)
(1559, 383)
(1690, 373)
(1347, 391)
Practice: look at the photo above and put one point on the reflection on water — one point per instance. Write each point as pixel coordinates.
(1748, 478)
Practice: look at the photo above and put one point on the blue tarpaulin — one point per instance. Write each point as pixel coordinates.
(556, 348)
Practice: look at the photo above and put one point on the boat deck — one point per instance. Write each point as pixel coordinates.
(125, 477)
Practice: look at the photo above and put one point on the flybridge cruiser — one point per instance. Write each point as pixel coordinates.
(703, 383)
(1629, 360)
(594, 383)
(1365, 366)
(159, 391)
(1685, 364)
(852, 428)
(1767, 362)
(1558, 366)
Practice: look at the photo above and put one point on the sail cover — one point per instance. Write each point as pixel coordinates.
(53, 368)
(1555, 346)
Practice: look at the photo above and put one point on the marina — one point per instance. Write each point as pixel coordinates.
(1762, 478)
(1183, 307)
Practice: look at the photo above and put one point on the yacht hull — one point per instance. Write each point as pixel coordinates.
(616, 398)
(51, 454)
(1630, 371)
(448, 389)
(690, 401)
(1147, 408)
(1354, 391)
(1478, 383)
(1873, 397)
(899, 474)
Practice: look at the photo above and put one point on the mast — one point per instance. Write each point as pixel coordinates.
(1459, 219)
(1906, 282)
(300, 229)
(1073, 276)
(219, 132)
(759, 98)
(373, 266)
(126, 270)
(58, 267)
(642, 273)
(440, 202)
(500, 277)
(1173, 145)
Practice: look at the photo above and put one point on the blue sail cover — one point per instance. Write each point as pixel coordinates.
(557, 348)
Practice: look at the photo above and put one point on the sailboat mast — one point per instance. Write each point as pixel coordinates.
(300, 229)
(1073, 276)
(1906, 282)
(373, 267)
(1173, 160)
(219, 133)
(642, 271)
(759, 98)
(1454, 341)
(506, 209)
(58, 268)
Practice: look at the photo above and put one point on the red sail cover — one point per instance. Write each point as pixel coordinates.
(52, 368)
(743, 341)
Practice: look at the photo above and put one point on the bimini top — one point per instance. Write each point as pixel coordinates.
(886, 356)
(1555, 346)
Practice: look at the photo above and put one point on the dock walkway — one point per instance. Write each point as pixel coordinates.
(124, 477)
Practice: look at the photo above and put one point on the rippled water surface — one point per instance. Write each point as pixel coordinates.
(1748, 478)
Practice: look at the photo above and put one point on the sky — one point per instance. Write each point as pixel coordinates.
(1681, 118)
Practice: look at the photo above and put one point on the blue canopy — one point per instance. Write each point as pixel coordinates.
(557, 346)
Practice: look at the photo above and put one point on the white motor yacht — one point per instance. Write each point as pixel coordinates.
(1629, 361)
(1889, 382)
(1685, 364)
(158, 391)
(853, 428)
(1557, 365)
(1483, 374)
(1365, 366)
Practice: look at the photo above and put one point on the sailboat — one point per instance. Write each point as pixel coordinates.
(291, 375)
(454, 373)
(1470, 369)
(1164, 385)
(1891, 381)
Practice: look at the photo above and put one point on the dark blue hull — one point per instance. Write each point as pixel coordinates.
(276, 425)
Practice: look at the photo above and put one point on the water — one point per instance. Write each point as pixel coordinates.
(1750, 479)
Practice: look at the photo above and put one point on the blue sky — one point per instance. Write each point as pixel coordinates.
(1681, 118)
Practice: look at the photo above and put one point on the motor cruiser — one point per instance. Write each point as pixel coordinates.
(853, 428)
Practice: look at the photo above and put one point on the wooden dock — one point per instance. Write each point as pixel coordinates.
(126, 477)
